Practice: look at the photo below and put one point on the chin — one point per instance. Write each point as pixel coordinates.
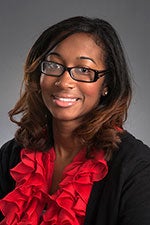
(66, 118)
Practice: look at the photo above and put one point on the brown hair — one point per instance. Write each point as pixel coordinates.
(101, 127)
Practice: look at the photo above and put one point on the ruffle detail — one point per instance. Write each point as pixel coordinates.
(30, 202)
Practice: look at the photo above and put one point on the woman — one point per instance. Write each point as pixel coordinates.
(71, 161)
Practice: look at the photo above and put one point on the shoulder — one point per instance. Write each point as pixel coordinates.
(131, 159)
(128, 140)
(10, 152)
(9, 157)
(125, 191)
(10, 145)
(133, 148)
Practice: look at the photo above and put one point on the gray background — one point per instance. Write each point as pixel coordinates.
(21, 22)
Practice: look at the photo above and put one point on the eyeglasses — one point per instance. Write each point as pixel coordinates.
(81, 74)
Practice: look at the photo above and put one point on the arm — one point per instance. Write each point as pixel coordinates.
(9, 157)
(135, 197)
(123, 196)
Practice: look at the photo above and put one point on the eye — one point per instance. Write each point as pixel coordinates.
(83, 71)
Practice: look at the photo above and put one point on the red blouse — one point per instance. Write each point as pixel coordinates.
(30, 202)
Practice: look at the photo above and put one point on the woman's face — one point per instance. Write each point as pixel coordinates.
(65, 98)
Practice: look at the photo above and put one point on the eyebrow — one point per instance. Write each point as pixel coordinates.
(80, 57)
(88, 58)
(54, 53)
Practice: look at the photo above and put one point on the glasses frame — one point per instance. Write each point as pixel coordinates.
(97, 73)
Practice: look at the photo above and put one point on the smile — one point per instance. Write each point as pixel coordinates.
(67, 99)
(64, 101)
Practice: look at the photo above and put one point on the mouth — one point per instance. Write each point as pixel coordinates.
(64, 101)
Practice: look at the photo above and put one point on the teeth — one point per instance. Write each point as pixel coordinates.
(67, 99)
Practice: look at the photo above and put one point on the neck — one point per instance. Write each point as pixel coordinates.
(65, 143)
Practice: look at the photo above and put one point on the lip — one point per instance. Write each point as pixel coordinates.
(64, 101)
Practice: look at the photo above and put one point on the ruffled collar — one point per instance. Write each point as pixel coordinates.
(30, 202)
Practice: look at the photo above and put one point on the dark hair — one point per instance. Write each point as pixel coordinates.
(101, 127)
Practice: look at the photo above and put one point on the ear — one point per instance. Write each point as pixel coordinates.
(105, 91)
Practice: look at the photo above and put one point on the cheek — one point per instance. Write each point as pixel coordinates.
(45, 87)
(93, 90)
(42, 81)
(45, 82)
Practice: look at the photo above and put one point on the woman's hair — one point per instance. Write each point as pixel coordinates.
(100, 128)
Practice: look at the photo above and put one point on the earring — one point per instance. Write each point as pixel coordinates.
(105, 93)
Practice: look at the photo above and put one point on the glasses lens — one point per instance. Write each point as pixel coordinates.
(52, 68)
(83, 74)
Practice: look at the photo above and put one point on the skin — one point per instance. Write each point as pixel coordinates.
(69, 100)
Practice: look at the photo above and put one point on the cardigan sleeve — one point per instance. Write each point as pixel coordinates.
(9, 157)
(135, 197)
(123, 196)
(134, 206)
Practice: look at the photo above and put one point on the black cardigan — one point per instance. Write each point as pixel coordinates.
(121, 198)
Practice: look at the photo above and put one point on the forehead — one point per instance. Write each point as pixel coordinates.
(80, 39)
(80, 44)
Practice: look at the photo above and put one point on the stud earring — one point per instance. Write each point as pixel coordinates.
(105, 93)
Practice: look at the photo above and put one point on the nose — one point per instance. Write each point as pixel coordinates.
(65, 81)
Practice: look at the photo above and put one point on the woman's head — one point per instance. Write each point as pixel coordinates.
(112, 108)
(103, 34)
(72, 78)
